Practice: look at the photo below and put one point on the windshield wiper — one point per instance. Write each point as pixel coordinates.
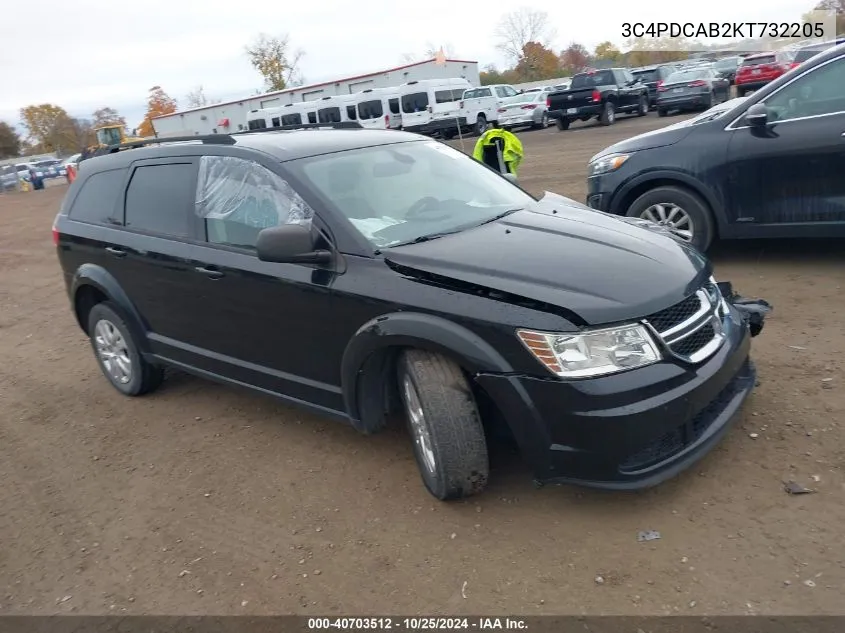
(425, 238)
(500, 216)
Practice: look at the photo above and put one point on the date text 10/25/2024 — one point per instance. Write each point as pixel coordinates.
(416, 624)
(724, 30)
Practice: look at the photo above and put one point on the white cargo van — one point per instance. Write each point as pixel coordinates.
(433, 106)
(378, 108)
(336, 109)
(480, 106)
(257, 120)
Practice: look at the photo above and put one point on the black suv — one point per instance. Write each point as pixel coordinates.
(769, 165)
(653, 77)
(362, 272)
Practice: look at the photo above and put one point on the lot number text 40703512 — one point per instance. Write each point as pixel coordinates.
(725, 30)
(419, 623)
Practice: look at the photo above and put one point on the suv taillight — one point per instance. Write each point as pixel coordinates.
(698, 83)
(548, 102)
(596, 96)
(660, 84)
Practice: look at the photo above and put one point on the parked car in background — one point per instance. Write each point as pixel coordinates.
(526, 109)
(598, 94)
(70, 160)
(727, 67)
(49, 167)
(24, 170)
(8, 177)
(692, 89)
(757, 70)
(768, 165)
(373, 274)
(653, 77)
(806, 52)
(480, 106)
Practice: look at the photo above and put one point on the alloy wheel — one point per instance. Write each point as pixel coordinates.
(672, 217)
(113, 351)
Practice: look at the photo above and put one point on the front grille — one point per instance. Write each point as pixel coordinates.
(677, 314)
(692, 328)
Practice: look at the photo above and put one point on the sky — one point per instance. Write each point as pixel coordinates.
(94, 54)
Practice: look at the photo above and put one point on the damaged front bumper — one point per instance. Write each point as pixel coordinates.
(633, 429)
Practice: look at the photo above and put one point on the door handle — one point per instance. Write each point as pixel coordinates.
(211, 273)
(117, 252)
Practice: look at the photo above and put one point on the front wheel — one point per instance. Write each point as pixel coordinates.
(608, 114)
(443, 420)
(680, 211)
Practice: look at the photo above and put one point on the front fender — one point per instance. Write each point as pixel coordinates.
(410, 329)
(99, 278)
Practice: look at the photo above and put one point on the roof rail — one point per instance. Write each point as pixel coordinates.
(341, 125)
(210, 139)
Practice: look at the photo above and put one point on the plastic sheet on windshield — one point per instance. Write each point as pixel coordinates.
(240, 190)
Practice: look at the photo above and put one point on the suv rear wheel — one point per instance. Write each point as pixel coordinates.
(680, 211)
(443, 420)
(118, 355)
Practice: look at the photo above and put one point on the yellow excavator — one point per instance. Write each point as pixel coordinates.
(111, 135)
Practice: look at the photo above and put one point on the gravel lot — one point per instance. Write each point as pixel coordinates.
(206, 499)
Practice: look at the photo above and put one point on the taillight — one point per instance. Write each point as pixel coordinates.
(529, 106)
(502, 110)
(596, 96)
(698, 83)
(55, 236)
(548, 102)
(660, 84)
(661, 87)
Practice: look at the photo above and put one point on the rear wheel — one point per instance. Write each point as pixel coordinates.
(443, 420)
(562, 124)
(740, 92)
(680, 211)
(481, 124)
(661, 112)
(117, 353)
(643, 107)
(448, 134)
(608, 114)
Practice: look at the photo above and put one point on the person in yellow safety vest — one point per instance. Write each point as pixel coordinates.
(500, 150)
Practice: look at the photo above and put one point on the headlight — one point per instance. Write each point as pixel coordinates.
(594, 353)
(611, 162)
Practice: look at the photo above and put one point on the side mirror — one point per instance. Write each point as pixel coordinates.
(290, 244)
(757, 115)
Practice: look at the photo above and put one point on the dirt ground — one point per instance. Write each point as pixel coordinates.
(202, 499)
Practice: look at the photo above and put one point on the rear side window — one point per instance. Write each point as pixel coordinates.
(159, 197)
(370, 109)
(647, 75)
(292, 119)
(96, 201)
(350, 112)
(591, 80)
(416, 102)
(312, 117)
(394, 105)
(447, 96)
(329, 115)
(257, 124)
(274, 121)
(238, 198)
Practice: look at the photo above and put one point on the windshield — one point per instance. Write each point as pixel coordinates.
(726, 64)
(108, 136)
(686, 75)
(806, 53)
(591, 80)
(756, 61)
(396, 194)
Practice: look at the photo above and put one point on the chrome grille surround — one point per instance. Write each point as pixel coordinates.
(693, 329)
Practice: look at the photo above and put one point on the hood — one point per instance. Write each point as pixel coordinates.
(670, 134)
(592, 265)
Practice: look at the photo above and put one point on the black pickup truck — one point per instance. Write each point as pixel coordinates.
(600, 94)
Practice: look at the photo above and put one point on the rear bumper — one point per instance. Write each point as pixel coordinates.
(684, 101)
(630, 430)
(754, 84)
(591, 110)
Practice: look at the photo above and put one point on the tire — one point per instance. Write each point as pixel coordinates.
(703, 230)
(481, 125)
(143, 377)
(448, 135)
(740, 92)
(444, 424)
(562, 124)
(608, 114)
(642, 110)
(661, 112)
